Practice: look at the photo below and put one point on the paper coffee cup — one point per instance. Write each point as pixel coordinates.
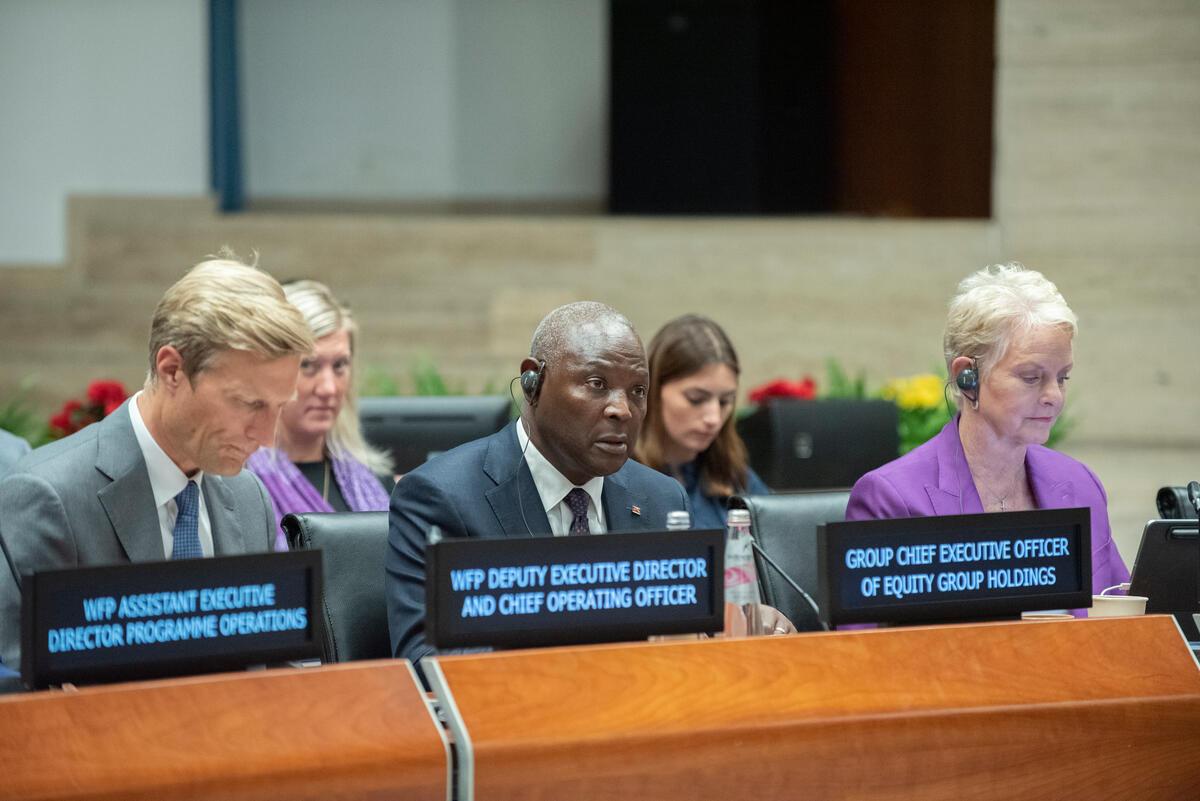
(1118, 605)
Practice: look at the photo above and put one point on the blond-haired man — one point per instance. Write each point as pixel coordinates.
(162, 476)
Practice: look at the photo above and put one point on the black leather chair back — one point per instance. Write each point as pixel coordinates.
(354, 622)
(785, 526)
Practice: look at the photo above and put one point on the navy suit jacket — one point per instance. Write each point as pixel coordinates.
(484, 489)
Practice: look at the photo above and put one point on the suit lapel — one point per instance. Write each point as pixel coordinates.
(514, 499)
(1048, 493)
(619, 503)
(955, 492)
(226, 532)
(128, 500)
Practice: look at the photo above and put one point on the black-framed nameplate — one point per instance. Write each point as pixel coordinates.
(154, 619)
(955, 568)
(520, 592)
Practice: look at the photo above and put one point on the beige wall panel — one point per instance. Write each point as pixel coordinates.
(1096, 31)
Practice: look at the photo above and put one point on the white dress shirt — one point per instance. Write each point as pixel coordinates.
(167, 481)
(553, 487)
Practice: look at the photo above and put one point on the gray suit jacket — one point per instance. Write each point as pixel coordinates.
(86, 500)
(12, 448)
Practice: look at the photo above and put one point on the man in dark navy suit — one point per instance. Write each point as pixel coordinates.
(562, 468)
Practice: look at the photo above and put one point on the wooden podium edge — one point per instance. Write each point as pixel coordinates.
(463, 766)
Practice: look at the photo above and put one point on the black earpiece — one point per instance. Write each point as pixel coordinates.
(968, 383)
(968, 380)
(531, 382)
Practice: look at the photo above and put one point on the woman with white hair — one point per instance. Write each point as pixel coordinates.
(1008, 348)
(320, 462)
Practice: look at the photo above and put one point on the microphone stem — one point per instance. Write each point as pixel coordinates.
(791, 582)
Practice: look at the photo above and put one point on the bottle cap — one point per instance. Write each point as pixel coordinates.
(678, 520)
(738, 517)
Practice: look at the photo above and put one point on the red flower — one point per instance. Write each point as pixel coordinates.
(107, 395)
(61, 422)
(103, 398)
(804, 389)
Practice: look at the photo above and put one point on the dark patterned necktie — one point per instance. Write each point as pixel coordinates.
(186, 544)
(577, 500)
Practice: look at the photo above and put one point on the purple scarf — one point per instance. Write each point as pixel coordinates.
(291, 492)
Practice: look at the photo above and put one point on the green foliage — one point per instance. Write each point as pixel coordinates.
(425, 379)
(839, 385)
(19, 417)
(917, 426)
(376, 383)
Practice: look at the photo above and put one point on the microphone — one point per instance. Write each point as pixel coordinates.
(1177, 503)
(791, 583)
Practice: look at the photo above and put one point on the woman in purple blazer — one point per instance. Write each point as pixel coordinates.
(320, 462)
(1008, 347)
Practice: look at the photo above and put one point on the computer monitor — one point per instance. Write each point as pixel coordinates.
(1167, 571)
(415, 429)
(812, 444)
(954, 568)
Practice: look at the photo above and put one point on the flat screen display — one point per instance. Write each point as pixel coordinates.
(153, 619)
(559, 590)
(416, 429)
(955, 568)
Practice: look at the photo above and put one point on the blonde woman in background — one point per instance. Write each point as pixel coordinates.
(320, 461)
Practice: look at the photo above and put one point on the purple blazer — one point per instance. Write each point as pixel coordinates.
(933, 479)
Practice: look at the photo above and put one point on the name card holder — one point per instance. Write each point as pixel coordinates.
(955, 567)
(155, 619)
(566, 590)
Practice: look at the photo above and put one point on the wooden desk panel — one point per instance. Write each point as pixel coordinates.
(352, 731)
(1053, 710)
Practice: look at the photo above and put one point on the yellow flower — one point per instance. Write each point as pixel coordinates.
(915, 392)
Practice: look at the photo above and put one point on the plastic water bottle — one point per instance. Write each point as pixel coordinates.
(678, 521)
(741, 579)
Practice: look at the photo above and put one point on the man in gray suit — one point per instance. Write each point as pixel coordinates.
(12, 448)
(162, 477)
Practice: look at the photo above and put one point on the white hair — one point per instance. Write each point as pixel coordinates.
(994, 305)
(553, 334)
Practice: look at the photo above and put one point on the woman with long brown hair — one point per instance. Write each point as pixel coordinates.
(689, 431)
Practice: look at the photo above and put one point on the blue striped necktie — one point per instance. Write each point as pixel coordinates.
(187, 524)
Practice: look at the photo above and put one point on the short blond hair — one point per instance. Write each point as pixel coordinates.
(325, 315)
(995, 304)
(222, 304)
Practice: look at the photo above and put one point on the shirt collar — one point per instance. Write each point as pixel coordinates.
(553, 486)
(166, 479)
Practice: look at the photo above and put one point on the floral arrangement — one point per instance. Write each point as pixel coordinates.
(921, 405)
(102, 399)
(921, 401)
